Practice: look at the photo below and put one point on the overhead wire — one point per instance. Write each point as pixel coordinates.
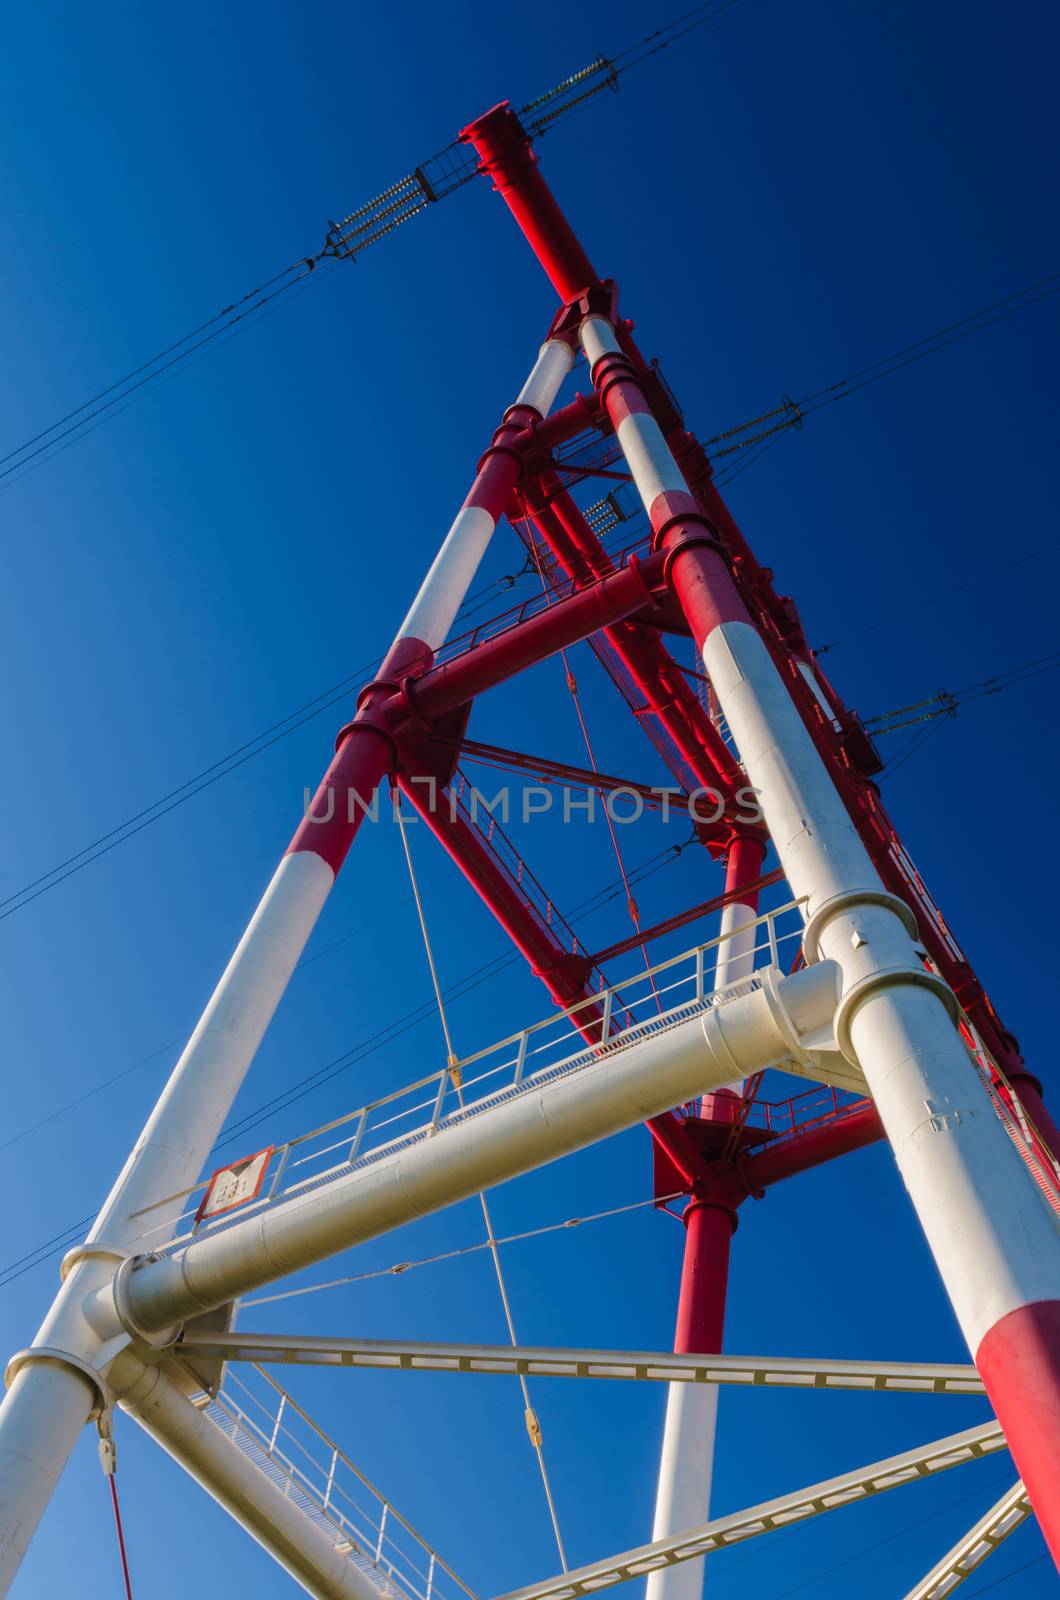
(158, 380)
(123, 831)
(19, 460)
(946, 702)
(434, 179)
(935, 596)
(932, 343)
(306, 961)
(886, 367)
(135, 373)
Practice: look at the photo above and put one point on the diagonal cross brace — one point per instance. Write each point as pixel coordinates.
(968, 1554)
(925, 1462)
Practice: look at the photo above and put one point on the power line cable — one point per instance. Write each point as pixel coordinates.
(940, 594)
(946, 703)
(135, 373)
(433, 180)
(123, 389)
(996, 1583)
(164, 375)
(875, 372)
(932, 343)
(221, 768)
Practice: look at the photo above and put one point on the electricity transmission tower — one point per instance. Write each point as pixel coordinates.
(851, 981)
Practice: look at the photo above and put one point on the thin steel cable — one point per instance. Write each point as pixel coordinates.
(399, 814)
(401, 1267)
(533, 1426)
(995, 1583)
(120, 1531)
(164, 375)
(1050, 284)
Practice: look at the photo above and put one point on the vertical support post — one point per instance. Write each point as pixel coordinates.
(686, 1462)
(277, 1423)
(743, 864)
(736, 954)
(520, 1060)
(362, 1123)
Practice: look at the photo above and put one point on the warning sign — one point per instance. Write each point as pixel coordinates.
(235, 1184)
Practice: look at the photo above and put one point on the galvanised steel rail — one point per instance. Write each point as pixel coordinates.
(284, 1442)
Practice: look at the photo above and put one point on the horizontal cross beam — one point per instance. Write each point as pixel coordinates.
(784, 1372)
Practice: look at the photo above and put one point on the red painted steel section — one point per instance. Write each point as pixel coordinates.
(709, 1228)
(712, 595)
(404, 692)
(567, 422)
(743, 868)
(803, 1151)
(644, 655)
(1028, 1091)
(1019, 1363)
(564, 973)
(562, 624)
(365, 754)
(504, 151)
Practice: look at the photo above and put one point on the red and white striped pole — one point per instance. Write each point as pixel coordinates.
(686, 1462)
(55, 1385)
(994, 1242)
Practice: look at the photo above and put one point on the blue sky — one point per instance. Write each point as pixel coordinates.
(782, 202)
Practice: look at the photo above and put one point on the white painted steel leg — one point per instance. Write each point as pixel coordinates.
(44, 1411)
(51, 1404)
(81, 1328)
(995, 1244)
(736, 952)
(686, 1475)
(445, 587)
